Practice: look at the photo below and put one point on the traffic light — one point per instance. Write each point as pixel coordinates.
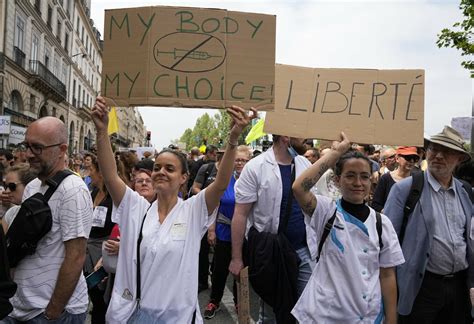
(148, 135)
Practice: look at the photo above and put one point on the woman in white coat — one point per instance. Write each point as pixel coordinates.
(157, 271)
(354, 280)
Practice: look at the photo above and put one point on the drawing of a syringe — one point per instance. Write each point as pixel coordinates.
(194, 55)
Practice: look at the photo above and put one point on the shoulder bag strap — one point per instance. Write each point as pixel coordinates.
(327, 230)
(413, 196)
(378, 224)
(139, 242)
(55, 181)
(289, 202)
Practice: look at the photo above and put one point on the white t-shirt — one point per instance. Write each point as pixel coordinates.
(169, 255)
(10, 214)
(36, 275)
(344, 286)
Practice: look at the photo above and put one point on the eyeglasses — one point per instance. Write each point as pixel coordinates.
(241, 160)
(411, 158)
(390, 157)
(143, 181)
(12, 185)
(37, 149)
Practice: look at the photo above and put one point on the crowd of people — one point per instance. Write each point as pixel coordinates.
(130, 238)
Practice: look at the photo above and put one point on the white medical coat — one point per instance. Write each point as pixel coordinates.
(169, 255)
(345, 286)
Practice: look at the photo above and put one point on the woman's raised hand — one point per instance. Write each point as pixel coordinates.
(100, 114)
(240, 119)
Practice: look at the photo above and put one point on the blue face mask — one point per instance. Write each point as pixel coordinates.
(292, 152)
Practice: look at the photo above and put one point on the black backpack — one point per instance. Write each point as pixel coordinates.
(330, 222)
(414, 196)
(32, 222)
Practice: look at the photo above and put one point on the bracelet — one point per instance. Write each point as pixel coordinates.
(232, 145)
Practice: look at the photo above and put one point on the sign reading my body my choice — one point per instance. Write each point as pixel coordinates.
(189, 57)
(370, 106)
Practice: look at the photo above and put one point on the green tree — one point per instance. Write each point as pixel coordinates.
(462, 37)
(212, 130)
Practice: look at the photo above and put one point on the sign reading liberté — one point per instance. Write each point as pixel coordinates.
(188, 57)
(370, 106)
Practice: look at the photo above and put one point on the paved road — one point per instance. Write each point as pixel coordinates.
(227, 313)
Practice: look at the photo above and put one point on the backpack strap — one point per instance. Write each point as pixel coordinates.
(378, 224)
(327, 230)
(55, 181)
(468, 189)
(139, 242)
(413, 197)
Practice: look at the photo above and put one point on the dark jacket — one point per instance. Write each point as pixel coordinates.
(273, 272)
(7, 286)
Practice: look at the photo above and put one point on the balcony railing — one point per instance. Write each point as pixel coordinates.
(19, 57)
(74, 102)
(41, 72)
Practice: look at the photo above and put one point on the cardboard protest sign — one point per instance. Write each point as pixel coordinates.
(370, 106)
(243, 296)
(188, 57)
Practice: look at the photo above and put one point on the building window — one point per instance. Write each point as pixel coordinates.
(34, 47)
(19, 32)
(16, 101)
(66, 42)
(32, 102)
(77, 24)
(64, 73)
(38, 6)
(50, 17)
(58, 32)
(47, 56)
(82, 35)
(79, 97)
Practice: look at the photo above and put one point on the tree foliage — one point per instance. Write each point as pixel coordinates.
(461, 37)
(210, 130)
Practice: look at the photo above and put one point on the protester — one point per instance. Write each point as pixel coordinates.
(437, 241)
(261, 195)
(210, 156)
(406, 158)
(205, 176)
(157, 268)
(368, 150)
(6, 160)
(86, 164)
(7, 286)
(219, 237)
(19, 155)
(52, 284)
(312, 154)
(354, 280)
(101, 228)
(326, 185)
(16, 179)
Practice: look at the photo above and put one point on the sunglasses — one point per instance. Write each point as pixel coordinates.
(411, 158)
(12, 185)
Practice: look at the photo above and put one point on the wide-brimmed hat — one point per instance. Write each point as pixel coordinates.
(451, 139)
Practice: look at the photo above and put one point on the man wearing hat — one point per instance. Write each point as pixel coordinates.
(434, 282)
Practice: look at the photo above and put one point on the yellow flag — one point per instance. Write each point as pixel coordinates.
(113, 126)
(202, 149)
(256, 132)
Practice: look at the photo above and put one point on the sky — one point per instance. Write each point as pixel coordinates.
(341, 34)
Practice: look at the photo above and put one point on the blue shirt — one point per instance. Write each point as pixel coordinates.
(296, 229)
(226, 208)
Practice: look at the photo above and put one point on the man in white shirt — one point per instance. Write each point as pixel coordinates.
(261, 194)
(51, 285)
